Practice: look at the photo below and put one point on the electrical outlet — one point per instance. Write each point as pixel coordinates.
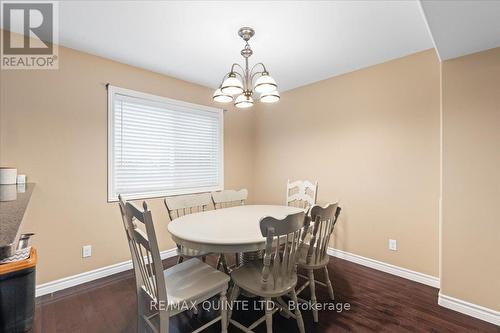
(86, 251)
(393, 245)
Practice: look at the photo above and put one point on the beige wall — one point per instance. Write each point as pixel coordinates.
(470, 245)
(371, 139)
(54, 129)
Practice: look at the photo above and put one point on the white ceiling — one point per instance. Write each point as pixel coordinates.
(299, 41)
(463, 27)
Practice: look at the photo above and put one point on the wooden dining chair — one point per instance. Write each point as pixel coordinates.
(229, 198)
(181, 205)
(226, 199)
(276, 275)
(301, 193)
(161, 293)
(313, 253)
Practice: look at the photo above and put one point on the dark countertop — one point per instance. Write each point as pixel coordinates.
(11, 215)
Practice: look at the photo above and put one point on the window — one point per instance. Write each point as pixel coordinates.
(160, 147)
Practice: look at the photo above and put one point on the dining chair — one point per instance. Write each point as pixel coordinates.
(181, 205)
(161, 293)
(226, 199)
(301, 193)
(313, 254)
(229, 198)
(274, 276)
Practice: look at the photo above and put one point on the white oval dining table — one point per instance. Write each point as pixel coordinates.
(227, 230)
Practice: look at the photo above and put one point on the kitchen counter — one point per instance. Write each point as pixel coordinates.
(12, 211)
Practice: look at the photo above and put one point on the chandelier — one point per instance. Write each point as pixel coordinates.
(239, 81)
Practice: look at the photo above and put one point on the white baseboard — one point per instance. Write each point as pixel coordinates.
(384, 267)
(74, 280)
(469, 309)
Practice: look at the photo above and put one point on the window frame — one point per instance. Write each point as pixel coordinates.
(112, 91)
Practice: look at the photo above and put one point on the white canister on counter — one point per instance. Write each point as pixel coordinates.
(21, 179)
(8, 176)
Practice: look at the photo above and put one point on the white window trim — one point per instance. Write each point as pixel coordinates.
(112, 91)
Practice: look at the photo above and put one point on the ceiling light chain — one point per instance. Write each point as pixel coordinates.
(231, 85)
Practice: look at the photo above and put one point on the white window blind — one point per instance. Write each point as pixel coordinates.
(160, 147)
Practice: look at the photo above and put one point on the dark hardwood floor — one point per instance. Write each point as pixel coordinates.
(378, 302)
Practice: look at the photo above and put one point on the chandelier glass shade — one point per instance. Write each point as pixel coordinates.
(231, 85)
(220, 97)
(270, 97)
(265, 84)
(241, 83)
(243, 101)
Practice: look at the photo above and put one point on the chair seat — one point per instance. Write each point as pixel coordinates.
(193, 280)
(249, 277)
(302, 262)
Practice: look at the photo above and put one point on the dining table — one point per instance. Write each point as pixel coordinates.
(228, 230)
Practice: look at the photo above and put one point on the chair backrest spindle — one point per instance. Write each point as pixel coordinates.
(324, 221)
(181, 205)
(282, 242)
(144, 250)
